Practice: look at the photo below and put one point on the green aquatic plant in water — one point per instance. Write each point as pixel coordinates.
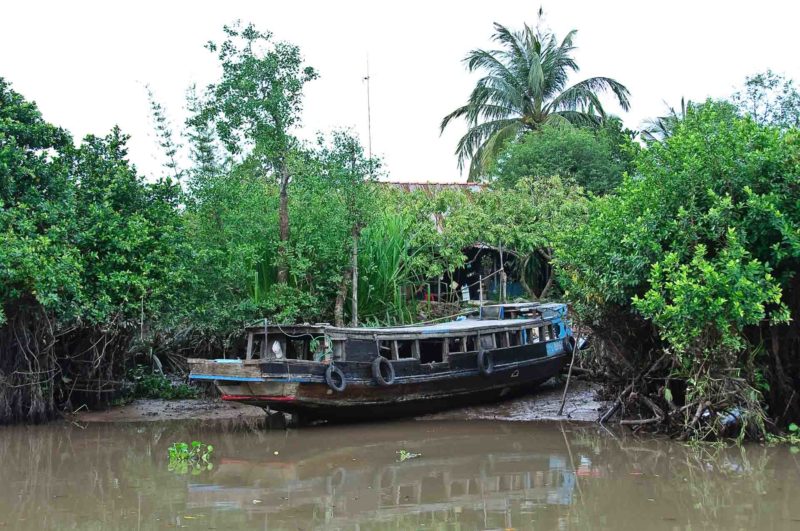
(405, 455)
(191, 457)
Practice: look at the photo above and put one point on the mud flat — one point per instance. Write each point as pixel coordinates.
(582, 405)
(165, 410)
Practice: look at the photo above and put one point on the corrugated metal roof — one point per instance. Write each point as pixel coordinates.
(433, 187)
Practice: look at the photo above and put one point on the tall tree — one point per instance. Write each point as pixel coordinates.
(254, 106)
(525, 87)
(769, 99)
(348, 172)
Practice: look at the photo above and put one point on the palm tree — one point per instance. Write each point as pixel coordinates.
(661, 128)
(524, 88)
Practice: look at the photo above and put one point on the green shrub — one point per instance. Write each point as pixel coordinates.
(150, 384)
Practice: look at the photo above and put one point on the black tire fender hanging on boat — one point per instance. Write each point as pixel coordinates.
(569, 344)
(332, 374)
(485, 362)
(380, 366)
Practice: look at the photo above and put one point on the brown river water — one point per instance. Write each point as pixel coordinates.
(478, 474)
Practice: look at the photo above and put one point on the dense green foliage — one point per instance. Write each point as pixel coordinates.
(594, 158)
(87, 251)
(703, 244)
(525, 87)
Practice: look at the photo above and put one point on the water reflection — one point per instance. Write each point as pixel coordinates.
(475, 474)
(471, 475)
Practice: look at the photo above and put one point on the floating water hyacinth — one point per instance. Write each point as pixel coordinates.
(191, 457)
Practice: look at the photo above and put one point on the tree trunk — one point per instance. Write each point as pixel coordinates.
(283, 220)
(523, 282)
(547, 254)
(338, 309)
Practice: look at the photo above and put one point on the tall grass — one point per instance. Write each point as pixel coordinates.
(387, 279)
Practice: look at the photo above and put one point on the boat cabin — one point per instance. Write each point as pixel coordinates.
(428, 344)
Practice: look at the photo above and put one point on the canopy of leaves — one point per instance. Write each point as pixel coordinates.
(258, 98)
(80, 232)
(769, 99)
(595, 159)
(702, 241)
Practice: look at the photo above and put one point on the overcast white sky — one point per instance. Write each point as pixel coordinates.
(86, 63)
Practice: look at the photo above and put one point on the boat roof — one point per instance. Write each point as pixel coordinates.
(438, 330)
(464, 325)
(545, 312)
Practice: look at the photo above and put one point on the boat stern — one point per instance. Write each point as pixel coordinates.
(242, 381)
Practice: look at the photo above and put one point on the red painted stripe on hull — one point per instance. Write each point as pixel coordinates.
(258, 397)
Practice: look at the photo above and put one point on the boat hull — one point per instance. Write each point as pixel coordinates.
(299, 387)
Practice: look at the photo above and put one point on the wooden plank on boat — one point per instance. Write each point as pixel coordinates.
(229, 368)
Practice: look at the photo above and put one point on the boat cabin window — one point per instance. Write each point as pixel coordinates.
(385, 349)
(405, 350)
(472, 343)
(279, 346)
(431, 350)
(297, 349)
(457, 344)
(487, 341)
(501, 339)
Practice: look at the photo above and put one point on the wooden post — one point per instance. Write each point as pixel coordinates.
(480, 291)
(249, 346)
(502, 276)
(354, 262)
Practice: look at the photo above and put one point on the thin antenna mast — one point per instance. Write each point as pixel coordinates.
(369, 115)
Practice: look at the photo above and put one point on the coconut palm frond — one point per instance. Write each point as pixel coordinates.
(525, 85)
(472, 144)
(661, 128)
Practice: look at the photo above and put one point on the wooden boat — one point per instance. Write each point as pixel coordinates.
(318, 371)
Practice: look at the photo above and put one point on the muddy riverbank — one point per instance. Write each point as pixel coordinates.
(582, 405)
(149, 410)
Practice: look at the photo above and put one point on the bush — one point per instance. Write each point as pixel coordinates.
(696, 256)
(150, 384)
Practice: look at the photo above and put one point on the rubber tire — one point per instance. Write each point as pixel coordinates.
(569, 344)
(378, 374)
(485, 368)
(329, 378)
